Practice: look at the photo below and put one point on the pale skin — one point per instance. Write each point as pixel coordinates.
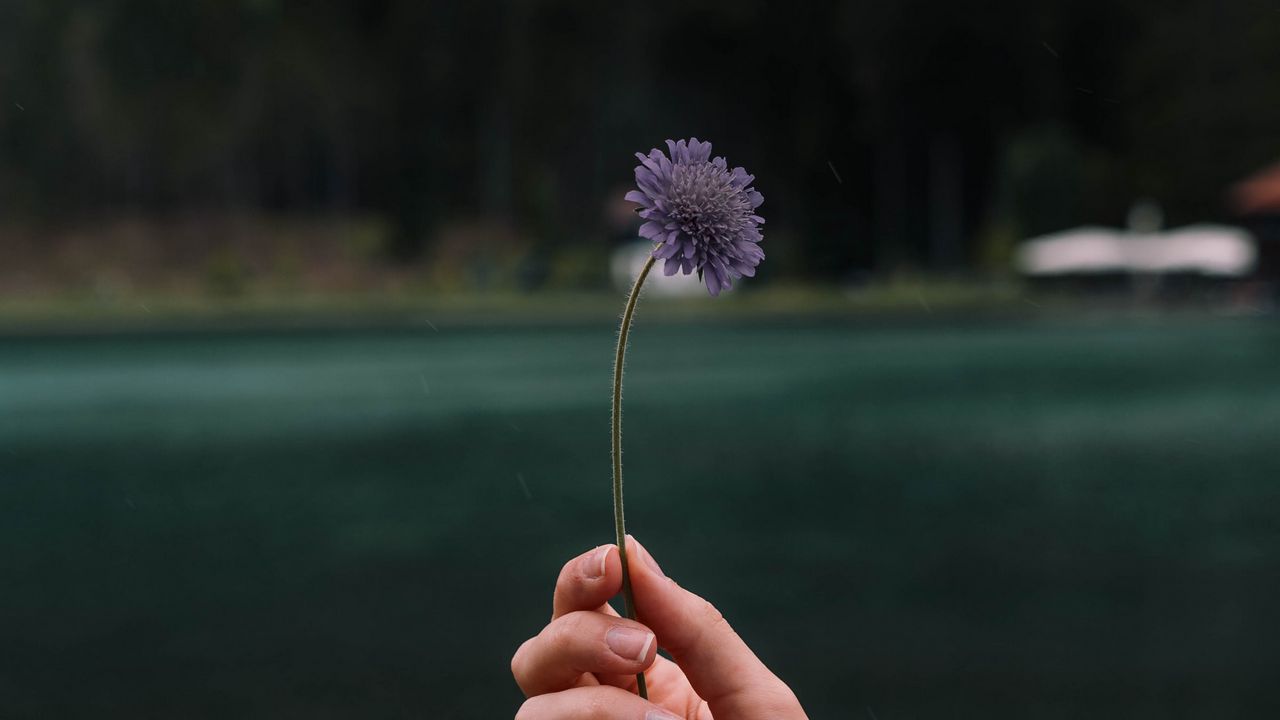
(582, 665)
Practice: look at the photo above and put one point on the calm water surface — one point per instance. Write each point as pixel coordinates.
(1019, 520)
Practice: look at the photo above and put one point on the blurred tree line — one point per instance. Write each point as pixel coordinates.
(884, 136)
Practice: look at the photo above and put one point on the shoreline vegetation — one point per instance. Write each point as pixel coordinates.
(904, 299)
(898, 299)
(214, 270)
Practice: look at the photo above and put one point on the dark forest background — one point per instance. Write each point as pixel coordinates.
(885, 136)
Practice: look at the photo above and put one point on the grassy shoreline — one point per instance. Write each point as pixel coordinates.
(901, 299)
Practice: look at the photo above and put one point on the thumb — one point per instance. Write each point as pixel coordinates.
(719, 665)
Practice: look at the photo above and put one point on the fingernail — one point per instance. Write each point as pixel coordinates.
(648, 559)
(629, 643)
(593, 565)
(659, 715)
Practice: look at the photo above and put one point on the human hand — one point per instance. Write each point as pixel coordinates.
(582, 665)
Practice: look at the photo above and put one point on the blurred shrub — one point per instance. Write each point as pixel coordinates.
(225, 273)
(580, 267)
(478, 255)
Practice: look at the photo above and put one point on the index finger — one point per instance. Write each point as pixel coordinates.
(588, 581)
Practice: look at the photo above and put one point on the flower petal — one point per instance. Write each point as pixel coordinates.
(651, 231)
(699, 152)
(639, 198)
(666, 250)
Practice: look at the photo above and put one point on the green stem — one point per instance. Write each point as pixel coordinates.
(619, 523)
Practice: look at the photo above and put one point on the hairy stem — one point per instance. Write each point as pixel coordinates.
(619, 523)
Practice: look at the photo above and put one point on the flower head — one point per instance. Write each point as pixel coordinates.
(701, 213)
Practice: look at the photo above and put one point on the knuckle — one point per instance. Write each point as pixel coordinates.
(567, 574)
(562, 634)
(519, 663)
(711, 615)
(780, 696)
(529, 709)
(574, 572)
(600, 707)
(712, 627)
(517, 660)
(783, 703)
(570, 582)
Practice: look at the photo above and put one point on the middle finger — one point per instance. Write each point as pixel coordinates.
(579, 643)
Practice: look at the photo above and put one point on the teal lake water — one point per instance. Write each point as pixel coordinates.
(990, 520)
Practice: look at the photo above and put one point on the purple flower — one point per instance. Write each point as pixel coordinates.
(702, 214)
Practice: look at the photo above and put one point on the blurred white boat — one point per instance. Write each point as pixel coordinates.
(629, 259)
(1211, 250)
